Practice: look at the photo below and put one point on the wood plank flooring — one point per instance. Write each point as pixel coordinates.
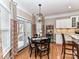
(55, 53)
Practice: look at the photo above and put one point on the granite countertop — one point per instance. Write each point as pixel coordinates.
(75, 38)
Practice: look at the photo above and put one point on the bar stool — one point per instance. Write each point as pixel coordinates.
(65, 48)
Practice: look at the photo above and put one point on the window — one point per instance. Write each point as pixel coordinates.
(5, 29)
(29, 29)
(21, 36)
(24, 30)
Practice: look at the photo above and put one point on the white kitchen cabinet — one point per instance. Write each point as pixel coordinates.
(64, 23)
(58, 39)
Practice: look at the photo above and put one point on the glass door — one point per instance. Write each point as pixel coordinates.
(21, 34)
(28, 30)
(24, 30)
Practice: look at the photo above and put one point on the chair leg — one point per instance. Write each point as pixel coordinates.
(62, 50)
(64, 55)
(30, 52)
(48, 55)
(40, 56)
(73, 52)
(77, 51)
(35, 53)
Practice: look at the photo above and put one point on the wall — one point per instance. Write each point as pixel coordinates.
(22, 13)
(49, 21)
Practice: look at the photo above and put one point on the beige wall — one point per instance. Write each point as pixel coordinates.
(49, 21)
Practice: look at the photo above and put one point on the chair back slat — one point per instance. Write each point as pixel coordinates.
(63, 39)
(35, 35)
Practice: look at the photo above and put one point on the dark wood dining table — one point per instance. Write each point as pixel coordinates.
(75, 39)
(36, 41)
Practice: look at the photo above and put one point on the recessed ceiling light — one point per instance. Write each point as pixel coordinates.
(69, 7)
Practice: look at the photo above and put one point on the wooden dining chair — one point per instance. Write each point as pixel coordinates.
(67, 46)
(31, 46)
(35, 35)
(44, 48)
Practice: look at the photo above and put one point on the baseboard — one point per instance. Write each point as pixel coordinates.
(23, 48)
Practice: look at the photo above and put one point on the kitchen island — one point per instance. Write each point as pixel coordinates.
(75, 39)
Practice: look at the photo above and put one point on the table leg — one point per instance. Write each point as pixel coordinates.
(35, 51)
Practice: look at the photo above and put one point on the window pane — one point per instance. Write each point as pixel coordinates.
(5, 29)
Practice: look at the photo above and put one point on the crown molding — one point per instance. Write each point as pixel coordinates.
(63, 15)
(24, 11)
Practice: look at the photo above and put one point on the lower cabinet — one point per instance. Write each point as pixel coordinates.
(58, 39)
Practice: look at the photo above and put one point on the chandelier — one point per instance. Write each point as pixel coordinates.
(40, 15)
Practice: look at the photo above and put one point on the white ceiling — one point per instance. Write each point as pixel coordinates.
(49, 7)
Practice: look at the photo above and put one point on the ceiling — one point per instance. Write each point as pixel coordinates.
(49, 7)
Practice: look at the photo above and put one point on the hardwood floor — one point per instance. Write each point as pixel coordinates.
(55, 53)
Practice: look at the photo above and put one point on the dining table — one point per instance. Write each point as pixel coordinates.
(39, 38)
(36, 41)
(75, 39)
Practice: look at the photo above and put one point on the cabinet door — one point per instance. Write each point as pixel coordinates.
(58, 38)
(68, 23)
(63, 23)
(73, 21)
(58, 23)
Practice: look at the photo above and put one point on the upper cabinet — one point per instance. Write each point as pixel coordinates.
(72, 22)
(63, 23)
(75, 21)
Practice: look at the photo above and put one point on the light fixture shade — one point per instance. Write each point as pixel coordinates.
(40, 15)
(40, 18)
(40, 22)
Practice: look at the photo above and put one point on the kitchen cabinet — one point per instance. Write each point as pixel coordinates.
(58, 38)
(75, 21)
(64, 23)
